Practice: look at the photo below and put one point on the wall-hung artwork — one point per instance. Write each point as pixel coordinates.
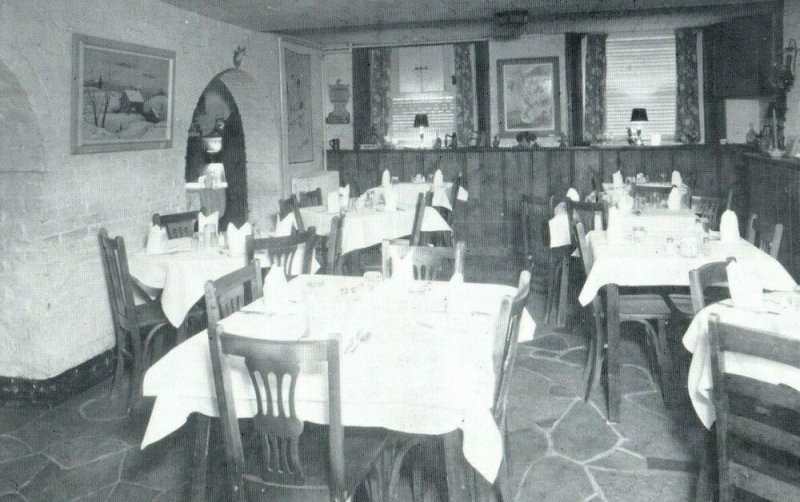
(121, 96)
(339, 94)
(299, 114)
(527, 96)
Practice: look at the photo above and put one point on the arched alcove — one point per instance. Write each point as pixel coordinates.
(233, 96)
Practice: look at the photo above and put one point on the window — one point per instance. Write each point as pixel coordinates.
(640, 73)
(441, 118)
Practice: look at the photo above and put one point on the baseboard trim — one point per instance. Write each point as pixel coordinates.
(59, 388)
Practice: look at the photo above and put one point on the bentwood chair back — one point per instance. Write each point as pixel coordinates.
(705, 276)
(707, 207)
(589, 213)
(282, 251)
(333, 260)
(131, 319)
(505, 344)
(758, 439)
(430, 263)
(177, 224)
(290, 205)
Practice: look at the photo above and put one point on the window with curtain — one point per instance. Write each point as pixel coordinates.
(641, 73)
(441, 118)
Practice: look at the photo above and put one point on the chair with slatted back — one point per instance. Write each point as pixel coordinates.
(282, 251)
(333, 261)
(178, 224)
(310, 199)
(642, 308)
(423, 200)
(707, 283)
(758, 438)
(429, 263)
(290, 205)
(136, 323)
(505, 355)
(707, 207)
(289, 461)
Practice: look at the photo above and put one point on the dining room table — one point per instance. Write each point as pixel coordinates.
(661, 259)
(407, 193)
(368, 226)
(179, 272)
(424, 366)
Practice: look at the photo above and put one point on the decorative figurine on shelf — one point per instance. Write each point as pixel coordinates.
(238, 55)
(437, 145)
(752, 136)
(496, 141)
(451, 141)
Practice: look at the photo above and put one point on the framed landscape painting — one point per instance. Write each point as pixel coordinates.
(528, 97)
(299, 113)
(121, 96)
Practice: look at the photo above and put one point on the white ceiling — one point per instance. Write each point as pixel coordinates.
(302, 15)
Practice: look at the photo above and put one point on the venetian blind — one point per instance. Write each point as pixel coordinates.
(441, 118)
(640, 73)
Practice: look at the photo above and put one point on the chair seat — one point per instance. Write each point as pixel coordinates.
(150, 314)
(362, 446)
(643, 306)
(683, 304)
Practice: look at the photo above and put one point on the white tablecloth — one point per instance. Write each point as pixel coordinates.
(426, 365)
(367, 227)
(182, 276)
(648, 263)
(779, 320)
(407, 194)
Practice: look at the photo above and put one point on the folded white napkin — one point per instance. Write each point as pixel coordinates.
(438, 178)
(386, 178)
(674, 199)
(559, 230)
(729, 227)
(616, 178)
(745, 287)
(625, 203)
(285, 226)
(156, 240)
(333, 202)
(402, 267)
(615, 231)
(211, 219)
(463, 194)
(573, 195)
(389, 198)
(676, 179)
(458, 278)
(276, 289)
(237, 238)
(344, 195)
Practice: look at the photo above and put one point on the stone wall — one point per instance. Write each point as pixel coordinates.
(52, 290)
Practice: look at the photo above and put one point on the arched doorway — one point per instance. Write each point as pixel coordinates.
(217, 103)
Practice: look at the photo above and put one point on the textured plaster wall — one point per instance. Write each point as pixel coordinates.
(52, 293)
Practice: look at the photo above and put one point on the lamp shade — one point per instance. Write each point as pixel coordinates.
(639, 115)
(421, 120)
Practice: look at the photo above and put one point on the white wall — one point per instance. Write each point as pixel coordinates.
(52, 291)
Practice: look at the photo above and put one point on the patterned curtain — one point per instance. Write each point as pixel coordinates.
(465, 94)
(687, 127)
(379, 105)
(594, 104)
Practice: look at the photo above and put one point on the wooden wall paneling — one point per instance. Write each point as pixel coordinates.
(414, 162)
(560, 170)
(540, 173)
(706, 163)
(333, 161)
(368, 172)
(490, 206)
(451, 162)
(471, 227)
(631, 162)
(609, 160)
(394, 162)
(586, 164)
(516, 175)
(658, 162)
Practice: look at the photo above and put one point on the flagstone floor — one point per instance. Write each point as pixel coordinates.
(561, 448)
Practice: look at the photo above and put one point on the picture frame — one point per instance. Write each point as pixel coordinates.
(528, 96)
(122, 96)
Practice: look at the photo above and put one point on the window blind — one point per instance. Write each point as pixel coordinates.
(640, 73)
(441, 118)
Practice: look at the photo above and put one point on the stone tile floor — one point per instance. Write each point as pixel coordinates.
(561, 448)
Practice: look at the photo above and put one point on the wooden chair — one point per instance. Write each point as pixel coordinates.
(295, 463)
(710, 275)
(135, 325)
(751, 229)
(177, 224)
(310, 199)
(536, 255)
(283, 250)
(505, 355)
(430, 263)
(589, 213)
(333, 261)
(642, 308)
(707, 207)
(290, 205)
(758, 438)
(423, 200)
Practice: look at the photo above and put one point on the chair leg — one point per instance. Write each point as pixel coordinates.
(563, 293)
(552, 289)
(119, 372)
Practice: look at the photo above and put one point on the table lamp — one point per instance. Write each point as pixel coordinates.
(638, 115)
(421, 122)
